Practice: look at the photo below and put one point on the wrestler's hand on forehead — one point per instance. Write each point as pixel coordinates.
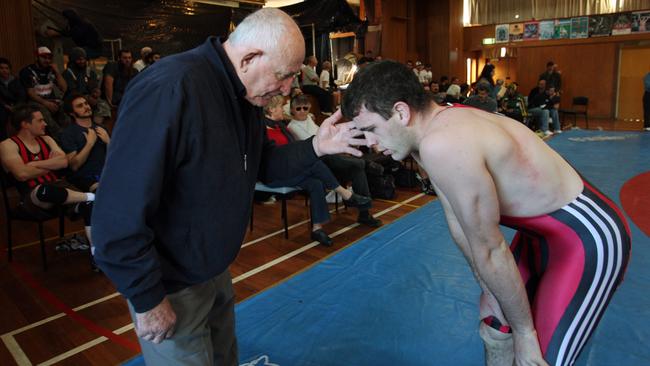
(334, 137)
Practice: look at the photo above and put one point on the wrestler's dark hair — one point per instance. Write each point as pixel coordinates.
(23, 113)
(380, 85)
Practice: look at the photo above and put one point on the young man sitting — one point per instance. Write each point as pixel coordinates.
(33, 158)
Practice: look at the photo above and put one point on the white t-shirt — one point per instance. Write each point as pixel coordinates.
(325, 79)
(139, 65)
(302, 130)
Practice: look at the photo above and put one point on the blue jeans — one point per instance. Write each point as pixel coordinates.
(541, 116)
(555, 116)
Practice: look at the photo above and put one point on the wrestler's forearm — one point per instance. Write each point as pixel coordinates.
(498, 270)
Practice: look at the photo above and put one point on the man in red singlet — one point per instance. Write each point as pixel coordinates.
(33, 158)
(544, 295)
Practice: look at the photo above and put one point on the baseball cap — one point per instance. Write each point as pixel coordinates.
(43, 51)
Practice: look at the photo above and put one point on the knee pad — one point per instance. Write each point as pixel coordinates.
(51, 194)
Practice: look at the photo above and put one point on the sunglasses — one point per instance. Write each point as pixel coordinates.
(305, 108)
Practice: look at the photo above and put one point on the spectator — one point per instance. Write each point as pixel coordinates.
(537, 106)
(444, 83)
(315, 179)
(553, 105)
(487, 77)
(552, 76)
(310, 85)
(346, 168)
(513, 104)
(40, 79)
(38, 184)
(499, 89)
(152, 58)
(83, 33)
(426, 76)
(482, 99)
(438, 96)
(117, 76)
(11, 94)
(79, 77)
(453, 94)
(325, 75)
(141, 63)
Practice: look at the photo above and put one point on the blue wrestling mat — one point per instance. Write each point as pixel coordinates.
(405, 295)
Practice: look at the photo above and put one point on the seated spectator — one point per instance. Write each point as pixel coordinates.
(141, 63)
(482, 99)
(33, 158)
(315, 180)
(553, 106)
(82, 79)
(345, 167)
(438, 96)
(152, 58)
(310, 85)
(426, 75)
(11, 94)
(84, 143)
(39, 80)
(117, 76)
(537, 107)
(513, 104)
(453, 94)
(499, 90)
(444, 83)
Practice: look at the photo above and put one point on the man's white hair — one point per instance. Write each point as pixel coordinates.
(267, 29)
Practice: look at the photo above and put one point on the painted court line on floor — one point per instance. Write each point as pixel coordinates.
(22, 359)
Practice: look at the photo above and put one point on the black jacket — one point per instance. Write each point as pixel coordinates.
(176, 191)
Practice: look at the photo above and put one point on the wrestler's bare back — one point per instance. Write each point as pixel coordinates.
(531, 179)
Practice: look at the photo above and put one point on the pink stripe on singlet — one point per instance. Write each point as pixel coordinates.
(562, 275)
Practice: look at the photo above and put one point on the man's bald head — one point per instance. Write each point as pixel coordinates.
(266, 49)
(271, 30)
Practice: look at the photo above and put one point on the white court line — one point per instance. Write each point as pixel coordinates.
(18, 354)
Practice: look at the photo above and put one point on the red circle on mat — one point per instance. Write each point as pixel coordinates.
(635, 198)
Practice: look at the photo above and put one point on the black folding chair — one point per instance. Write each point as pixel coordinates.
(579, 106)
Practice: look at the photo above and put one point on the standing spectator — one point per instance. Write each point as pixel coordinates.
(83, 33)
(40, 80)
(141, 63)
(11, 94)
(552, 76)
(177, 186)
(325, 75)
(646, 102)
(116, 77)
(487, 77)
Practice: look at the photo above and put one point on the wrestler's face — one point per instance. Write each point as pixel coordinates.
(390, 137)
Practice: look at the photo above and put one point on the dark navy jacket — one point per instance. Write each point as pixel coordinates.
(177, 188)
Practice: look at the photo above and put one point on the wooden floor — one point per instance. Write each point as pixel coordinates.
(35, 330)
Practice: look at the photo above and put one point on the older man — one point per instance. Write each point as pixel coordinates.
(541, 302)
(179, 179)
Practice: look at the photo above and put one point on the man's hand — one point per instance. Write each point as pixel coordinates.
(527, 351)
(336, 138)
(103, 135)
(156, 324)
(91, 137)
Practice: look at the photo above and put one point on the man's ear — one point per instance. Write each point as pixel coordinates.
(249, 58)
(403, 112)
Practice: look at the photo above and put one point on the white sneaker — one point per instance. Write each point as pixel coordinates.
(332, 197)
(548, 133)
(557, 131)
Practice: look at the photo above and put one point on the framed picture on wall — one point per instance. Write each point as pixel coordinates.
(502, 33)
(562, 29)
(600, 25)
(579, 27)
(546, 29)
(640, 21)
(516, 32)
(622, 24)
(531, 31)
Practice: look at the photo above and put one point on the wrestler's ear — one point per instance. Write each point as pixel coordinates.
(249, 59)
(403, 113)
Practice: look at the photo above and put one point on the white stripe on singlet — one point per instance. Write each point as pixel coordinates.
(614, 244)
(587, 312)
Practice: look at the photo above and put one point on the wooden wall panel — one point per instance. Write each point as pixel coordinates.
(17, 41)
(394, 29)
(634, 65)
